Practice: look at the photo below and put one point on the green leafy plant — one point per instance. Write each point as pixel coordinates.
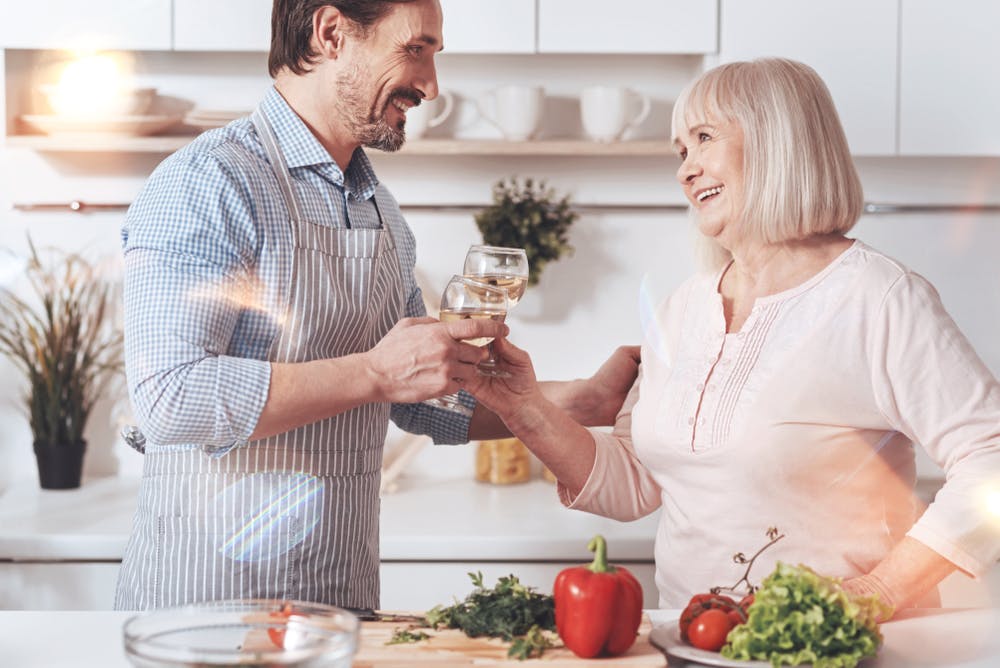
(64, 340)
(510, 610)
(528, 215)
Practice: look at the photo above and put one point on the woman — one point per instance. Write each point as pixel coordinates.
(787, 386)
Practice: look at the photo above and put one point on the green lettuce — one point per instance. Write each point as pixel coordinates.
(801, 617)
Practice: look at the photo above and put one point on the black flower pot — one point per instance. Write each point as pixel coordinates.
(60, 466)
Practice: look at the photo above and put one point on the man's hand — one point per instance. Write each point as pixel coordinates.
(599, 398)
(420, 358)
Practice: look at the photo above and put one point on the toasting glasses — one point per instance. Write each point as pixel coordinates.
(466, 298)
(502, 267)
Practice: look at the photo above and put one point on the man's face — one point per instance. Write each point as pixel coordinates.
(390, 70)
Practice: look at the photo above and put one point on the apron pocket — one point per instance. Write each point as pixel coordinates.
(210, 558)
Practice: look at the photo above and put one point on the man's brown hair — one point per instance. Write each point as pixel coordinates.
(292, 27)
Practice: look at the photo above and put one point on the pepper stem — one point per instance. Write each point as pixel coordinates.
(599, 547)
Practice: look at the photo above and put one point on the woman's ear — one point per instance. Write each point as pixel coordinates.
(329, 29)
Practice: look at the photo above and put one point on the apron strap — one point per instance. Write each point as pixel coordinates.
(270, 142)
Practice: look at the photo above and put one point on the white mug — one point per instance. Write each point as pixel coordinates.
(428, 114)
(515, 110)
(604, 111)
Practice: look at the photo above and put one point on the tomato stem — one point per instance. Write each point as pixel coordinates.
(772, 533)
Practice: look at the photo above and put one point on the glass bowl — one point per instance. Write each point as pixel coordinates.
(255, 632)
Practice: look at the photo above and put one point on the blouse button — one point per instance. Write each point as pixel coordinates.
(690, 421)
(701, 386)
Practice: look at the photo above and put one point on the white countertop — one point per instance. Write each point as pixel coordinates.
(935, 638)
(426, 519)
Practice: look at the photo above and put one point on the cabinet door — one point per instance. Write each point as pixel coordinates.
(222, 25)
(89, 24)
(949, 93)
(850, 43)
(489, 26)
(627, 26)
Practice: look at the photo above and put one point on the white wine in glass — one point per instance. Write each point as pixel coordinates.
(500, 267)
(468, 299)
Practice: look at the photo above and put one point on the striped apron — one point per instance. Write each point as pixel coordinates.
(294, 515)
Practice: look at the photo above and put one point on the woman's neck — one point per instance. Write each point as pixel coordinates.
(759, 270)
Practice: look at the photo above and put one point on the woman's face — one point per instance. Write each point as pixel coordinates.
(711, 174)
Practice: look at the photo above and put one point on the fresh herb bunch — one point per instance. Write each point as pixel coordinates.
(510, 610)
(528, 215)
(801, 617)
(407, 635)
(65, 343)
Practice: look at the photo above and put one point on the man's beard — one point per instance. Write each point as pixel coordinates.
(368, 124)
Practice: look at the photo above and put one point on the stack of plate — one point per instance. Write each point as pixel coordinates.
(206, 119)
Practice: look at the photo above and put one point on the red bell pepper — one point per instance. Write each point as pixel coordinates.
(598, 607)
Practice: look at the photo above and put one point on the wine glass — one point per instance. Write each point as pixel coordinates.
(463, 299)
(502, 267)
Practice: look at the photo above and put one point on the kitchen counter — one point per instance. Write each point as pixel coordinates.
(939, 638)
(61, 550)
(426, 519)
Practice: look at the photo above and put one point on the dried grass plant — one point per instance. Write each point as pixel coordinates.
(65, 340)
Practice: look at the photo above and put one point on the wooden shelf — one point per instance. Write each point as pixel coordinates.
(429, 147)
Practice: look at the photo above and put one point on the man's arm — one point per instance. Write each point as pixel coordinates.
(418, 359)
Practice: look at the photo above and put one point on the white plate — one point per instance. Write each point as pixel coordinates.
(667, 637)
(119, 126)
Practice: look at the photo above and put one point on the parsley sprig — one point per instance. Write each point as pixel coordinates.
(510, 610)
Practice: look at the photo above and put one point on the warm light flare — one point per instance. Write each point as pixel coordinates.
(993, 502)
(96, 84)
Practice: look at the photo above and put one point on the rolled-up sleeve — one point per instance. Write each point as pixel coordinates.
(188, 241)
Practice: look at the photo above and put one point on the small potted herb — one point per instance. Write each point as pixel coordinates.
(62, 337)
(528, 215)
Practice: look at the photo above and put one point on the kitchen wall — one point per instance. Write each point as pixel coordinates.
(585, 305)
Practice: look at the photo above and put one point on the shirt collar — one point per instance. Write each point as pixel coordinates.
(301, 149)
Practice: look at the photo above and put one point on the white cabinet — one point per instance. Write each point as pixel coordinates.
(222, 25)
(949, 93)
(489, 26)
(82, 25)
(627, 26)
(850, 43)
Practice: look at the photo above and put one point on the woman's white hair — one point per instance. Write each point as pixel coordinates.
(800, 180)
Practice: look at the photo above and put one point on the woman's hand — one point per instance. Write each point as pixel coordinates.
(506, 396)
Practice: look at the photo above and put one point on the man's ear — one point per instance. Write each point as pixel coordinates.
(329, 30)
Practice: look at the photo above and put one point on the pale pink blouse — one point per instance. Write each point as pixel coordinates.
(804, 420)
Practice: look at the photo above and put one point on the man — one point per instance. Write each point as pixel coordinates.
(273, 325)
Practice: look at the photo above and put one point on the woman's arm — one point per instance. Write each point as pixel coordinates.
(590, 402)
(910, 570)
(560, 442)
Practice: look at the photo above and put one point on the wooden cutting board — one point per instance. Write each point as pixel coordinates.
(450, 647)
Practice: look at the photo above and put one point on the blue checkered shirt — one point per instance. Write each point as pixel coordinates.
(195, 247)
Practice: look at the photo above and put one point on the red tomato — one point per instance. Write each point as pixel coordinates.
(277, 637)
(746, 602)
(708, 631)
(698, 604)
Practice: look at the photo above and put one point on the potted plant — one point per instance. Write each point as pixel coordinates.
(64, 340)
(528, 215)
